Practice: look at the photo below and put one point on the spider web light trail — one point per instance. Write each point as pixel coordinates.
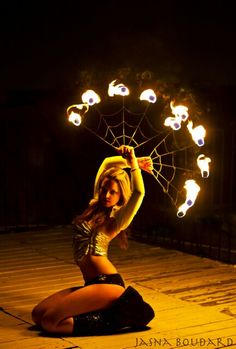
(173, 156)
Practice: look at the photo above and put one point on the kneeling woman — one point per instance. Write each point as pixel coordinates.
(103, 304)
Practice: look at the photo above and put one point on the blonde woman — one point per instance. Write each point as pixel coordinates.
(103, 304)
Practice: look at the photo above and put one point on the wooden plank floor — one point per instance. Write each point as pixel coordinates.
(194, 298)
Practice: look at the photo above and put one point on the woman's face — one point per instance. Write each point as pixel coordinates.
(110, 193)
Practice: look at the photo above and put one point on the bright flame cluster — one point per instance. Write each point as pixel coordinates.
(180, 113)
(76, 113)
(198, 133)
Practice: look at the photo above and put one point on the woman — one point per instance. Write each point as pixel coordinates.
(102, 304)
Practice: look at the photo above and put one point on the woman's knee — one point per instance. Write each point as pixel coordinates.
(49, 321)
(36, 315)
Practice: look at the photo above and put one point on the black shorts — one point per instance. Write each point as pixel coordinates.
(114, 279)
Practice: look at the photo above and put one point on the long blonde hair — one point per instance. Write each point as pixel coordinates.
(93, 211)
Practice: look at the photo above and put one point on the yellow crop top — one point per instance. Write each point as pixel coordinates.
(89, 241)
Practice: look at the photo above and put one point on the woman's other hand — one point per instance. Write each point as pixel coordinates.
(146, 164)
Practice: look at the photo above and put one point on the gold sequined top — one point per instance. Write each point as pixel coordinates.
(87, 241)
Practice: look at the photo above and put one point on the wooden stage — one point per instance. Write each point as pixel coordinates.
(194, 298)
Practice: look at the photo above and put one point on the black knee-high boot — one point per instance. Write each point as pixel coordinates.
(129, 310)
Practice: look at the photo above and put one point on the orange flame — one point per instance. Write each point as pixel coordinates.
(90, 97)
(76, 113)
(192, 190)
(148, 95)
(203, 164)
(119, 89)
(179, 111)
(198, 133)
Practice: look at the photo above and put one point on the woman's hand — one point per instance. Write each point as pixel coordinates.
(128, 153)
(146, 164)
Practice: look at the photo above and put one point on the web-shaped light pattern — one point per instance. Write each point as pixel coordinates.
(122, 126)
(123, 120)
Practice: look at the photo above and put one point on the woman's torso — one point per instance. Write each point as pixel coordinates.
(90, 245)
(91, 266)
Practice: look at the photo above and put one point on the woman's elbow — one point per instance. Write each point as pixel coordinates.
(140, 192)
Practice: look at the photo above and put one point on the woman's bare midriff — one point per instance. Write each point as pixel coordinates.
(91, 266)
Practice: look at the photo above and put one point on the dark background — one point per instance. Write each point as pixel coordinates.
(46, 45)
(51, 51)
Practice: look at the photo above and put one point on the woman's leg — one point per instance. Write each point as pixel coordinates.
(58, 318)
(128, 311)
(49, 302)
